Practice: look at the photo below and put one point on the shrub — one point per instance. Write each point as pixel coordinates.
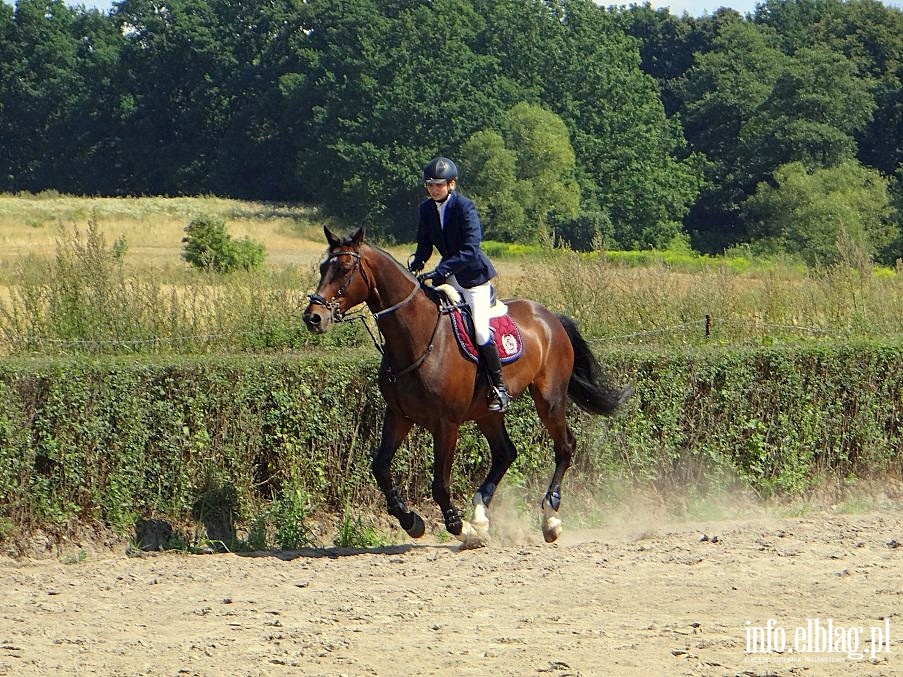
(209, 247)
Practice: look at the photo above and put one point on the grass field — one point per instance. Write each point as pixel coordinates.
(55, 290)
(153, 227)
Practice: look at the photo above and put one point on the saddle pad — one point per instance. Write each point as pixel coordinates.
(504, 331)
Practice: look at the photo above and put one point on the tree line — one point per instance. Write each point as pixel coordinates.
(623, 127)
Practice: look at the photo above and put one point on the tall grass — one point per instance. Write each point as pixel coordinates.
(85, 300)
(94, 293)
(662, 305)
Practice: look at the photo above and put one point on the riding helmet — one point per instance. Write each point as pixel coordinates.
(439, 170)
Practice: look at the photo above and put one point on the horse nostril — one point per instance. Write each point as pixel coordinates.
(312, 319)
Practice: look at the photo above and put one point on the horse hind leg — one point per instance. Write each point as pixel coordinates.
(553, 418)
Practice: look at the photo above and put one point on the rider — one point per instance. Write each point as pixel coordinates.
(449, 221)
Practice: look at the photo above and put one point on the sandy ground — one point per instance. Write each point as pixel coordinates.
(707, 598)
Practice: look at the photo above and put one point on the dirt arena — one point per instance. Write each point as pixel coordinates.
(689, 598)
(706, 598)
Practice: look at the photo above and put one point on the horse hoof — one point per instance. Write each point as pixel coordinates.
(418, 528)
(551, 523)
(551, 529)
(471, 537)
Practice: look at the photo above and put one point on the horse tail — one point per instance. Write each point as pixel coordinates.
(589, 387)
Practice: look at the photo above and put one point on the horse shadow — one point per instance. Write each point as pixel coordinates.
(336, 552)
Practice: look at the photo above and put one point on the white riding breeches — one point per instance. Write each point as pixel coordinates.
(479, 299)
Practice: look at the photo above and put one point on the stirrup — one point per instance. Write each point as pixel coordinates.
(499, 399)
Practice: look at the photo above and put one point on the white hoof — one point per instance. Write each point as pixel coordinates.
(480, 519)
(471, 537)
(551, 523)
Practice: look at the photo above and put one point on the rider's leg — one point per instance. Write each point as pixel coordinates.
(499, 399)
(479, 298)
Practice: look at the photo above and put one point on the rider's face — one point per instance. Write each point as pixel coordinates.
(439, 191)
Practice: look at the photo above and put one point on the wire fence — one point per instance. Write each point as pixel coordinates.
(725, 331)
(707, 327)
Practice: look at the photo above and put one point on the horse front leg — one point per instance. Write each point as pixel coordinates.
(445, 438)
(503, 454)
(395, 428)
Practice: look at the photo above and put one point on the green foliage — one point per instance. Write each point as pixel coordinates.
(521, 176)
(358, 532)
(491, 182)
(840, 214)
(584, 232)
(814, 112)
(545, 163)
(210, 248)
(721, 91)
(268, 442)
(290, 512)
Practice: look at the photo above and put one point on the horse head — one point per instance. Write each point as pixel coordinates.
(342, 285)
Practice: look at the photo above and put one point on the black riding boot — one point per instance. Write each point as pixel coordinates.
(499, 399)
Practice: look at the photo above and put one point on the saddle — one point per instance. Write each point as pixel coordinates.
(505, 333)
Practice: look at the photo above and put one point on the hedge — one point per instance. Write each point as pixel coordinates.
(110, 440)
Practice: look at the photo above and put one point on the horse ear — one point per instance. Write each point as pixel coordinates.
(358, 237)
(330, 238)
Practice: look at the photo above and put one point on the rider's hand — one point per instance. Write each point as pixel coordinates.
(436, 277)
(415, 266)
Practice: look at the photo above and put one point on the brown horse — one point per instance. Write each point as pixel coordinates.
(426, 380)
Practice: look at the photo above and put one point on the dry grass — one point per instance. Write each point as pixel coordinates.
(152, 227)
(612, 300)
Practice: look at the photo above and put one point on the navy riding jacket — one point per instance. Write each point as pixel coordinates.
(458, 243)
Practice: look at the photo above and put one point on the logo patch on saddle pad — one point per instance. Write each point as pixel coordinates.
(505, 333)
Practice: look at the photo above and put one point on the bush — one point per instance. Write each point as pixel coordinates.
(106, 440)
(210, 248)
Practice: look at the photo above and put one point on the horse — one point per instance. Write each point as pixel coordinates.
(426, 380)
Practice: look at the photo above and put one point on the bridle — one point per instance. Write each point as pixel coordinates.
(332, 305)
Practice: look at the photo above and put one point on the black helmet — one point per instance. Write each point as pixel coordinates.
(439, 170)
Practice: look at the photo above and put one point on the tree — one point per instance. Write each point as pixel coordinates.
(381, 100)
(42, 89)
(814, 111)
(722, 92)
(822, 215)
(631, 162)
(524, 175)
(545, 164)
(10, 58)
(490, 180)
(669, 44)
(175, 106)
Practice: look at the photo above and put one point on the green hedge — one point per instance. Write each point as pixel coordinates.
(110, 440)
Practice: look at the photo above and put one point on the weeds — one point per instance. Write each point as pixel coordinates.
(356, 532)
(290, 513)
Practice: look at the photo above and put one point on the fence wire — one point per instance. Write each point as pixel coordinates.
(701, 329)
